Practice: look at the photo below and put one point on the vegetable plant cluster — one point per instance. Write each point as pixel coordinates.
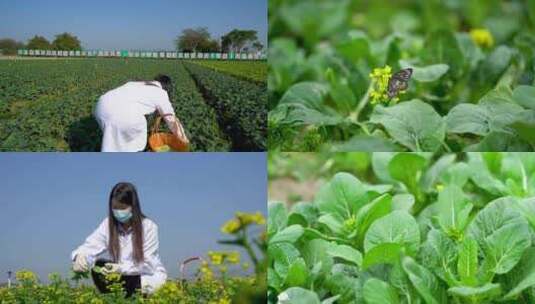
(241, 106)
(46, 105)
(407, 228)
(471, 88)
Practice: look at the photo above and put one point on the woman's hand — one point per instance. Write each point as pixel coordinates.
(176, 127)
(81, 263)
(110, 268)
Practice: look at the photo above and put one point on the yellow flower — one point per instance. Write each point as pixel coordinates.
(482, 37)
(233, 257)
(224, 301)
(215, 257)
(206, 271)
(25, 275)
(232, 226)
(380, 78)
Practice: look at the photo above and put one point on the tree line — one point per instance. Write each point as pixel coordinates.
(62, 42)
(190, 40)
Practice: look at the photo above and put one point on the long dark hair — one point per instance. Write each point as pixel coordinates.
(126, 193)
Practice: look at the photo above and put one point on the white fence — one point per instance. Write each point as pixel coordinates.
(143, 54)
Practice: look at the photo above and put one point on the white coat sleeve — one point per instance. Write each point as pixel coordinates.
(163, 103)
(153, 274)
(94, 244)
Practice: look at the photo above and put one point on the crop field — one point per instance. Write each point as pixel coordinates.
(389, 228)
(46, 105)
(220, 277)
(255, 70)
(411, 75)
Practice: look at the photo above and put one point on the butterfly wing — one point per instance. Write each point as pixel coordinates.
(399, 82)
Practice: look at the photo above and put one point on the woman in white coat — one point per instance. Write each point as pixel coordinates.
(130, 239)
(121, 114)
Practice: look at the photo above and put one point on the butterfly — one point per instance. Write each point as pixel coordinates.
(399, 82)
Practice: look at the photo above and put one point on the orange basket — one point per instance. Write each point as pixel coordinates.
(158, 139)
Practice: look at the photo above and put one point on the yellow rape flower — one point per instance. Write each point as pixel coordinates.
(232, 226)
(249, 218)
(215, 257)
(233, 257)
(224, 301)
(25, 275)
(380, 78)
(482, 37)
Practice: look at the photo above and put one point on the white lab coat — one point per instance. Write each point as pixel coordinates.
(152, 271)
(121, 115)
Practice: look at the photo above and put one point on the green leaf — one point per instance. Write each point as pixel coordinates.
(477, 294)
(525, 274)
(366, 215)
(456, 174)
(356, 47)
(346, 253)
(297, 273)
(385, 253)
(482, 177)
(341, 93)
(426, 73)
(453, 210)
(403, 202)
(502, 233)
(380, 161)
(492, 114)
(525, 96)
(439, 253)
(283, 255)
(414, 124)
(298, 295)
(365, 143)
(397, 227)
(289, 234)
(277, 217)
(333, 221)
(303, 213)
(407, 168)
(343, 195)
(503, 142)
(315, 253)
(309, 94)
(432, 174)
(424, 282)
(468, 118)
(300, 114)
(442, 47)
(379, 292)
(467, 264)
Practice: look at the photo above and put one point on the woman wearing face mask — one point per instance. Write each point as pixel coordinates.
(130, 239)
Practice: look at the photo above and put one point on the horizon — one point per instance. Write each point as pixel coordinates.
(119, 27)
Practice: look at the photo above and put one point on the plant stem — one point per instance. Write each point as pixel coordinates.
(354, 116)
(249, 249)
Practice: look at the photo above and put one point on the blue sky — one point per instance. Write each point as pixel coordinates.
(50, 202)
(129, 24)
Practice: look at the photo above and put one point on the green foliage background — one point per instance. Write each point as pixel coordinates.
(465, 93)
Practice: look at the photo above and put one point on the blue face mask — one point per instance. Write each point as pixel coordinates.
(122, 215)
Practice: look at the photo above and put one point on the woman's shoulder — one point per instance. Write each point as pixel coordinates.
(149, 224)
